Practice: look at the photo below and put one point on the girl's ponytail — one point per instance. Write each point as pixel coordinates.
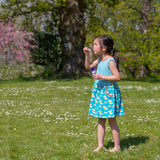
(116, 58)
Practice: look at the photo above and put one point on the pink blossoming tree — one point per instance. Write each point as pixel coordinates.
(14, 44)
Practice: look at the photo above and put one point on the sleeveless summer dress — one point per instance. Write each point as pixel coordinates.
(106, 100)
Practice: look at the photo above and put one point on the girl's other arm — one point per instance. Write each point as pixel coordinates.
(114, 70)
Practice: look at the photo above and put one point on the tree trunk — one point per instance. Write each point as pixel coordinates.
(72, 35)
(145, 12)
(144, 69)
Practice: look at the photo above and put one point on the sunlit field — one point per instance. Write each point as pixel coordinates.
(49, 120)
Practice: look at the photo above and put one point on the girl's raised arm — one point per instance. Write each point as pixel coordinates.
(88, 63)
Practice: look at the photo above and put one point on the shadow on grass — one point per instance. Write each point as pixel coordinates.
(129, 142)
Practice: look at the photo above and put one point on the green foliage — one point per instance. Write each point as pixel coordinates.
(48, 51)
(34, 15)
(123, 21)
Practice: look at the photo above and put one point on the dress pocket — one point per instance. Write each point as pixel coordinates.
(110, 90)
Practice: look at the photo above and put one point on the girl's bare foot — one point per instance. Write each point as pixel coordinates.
(97, 149)
(115, 150)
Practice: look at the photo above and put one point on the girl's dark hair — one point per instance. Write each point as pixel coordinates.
(107, 41)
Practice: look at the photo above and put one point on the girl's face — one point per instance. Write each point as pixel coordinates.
(96, 47)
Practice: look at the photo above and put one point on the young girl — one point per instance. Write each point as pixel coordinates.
(106, 101)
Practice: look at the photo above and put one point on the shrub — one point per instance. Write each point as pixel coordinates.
(48, 51)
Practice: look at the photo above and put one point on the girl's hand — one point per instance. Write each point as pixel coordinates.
(97, 76)
(86, 50)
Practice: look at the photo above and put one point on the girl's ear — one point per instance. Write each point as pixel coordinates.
(104, 48)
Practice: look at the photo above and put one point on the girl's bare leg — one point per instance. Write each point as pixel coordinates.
(115, 133)
(101, 133)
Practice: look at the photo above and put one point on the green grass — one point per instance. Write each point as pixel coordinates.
(48, 120)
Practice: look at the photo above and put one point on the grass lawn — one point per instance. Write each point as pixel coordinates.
(48, 120)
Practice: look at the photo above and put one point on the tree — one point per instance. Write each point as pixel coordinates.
(72, 35)
(144, 26)
(119, 20)
(65, 18)
(14, 44)
(134, 27)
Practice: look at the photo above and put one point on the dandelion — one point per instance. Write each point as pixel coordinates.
(65, 87)
(152, 101)
(7, 113)
(85, 145)
(131, 147)
(49, 82)
(47, 120)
